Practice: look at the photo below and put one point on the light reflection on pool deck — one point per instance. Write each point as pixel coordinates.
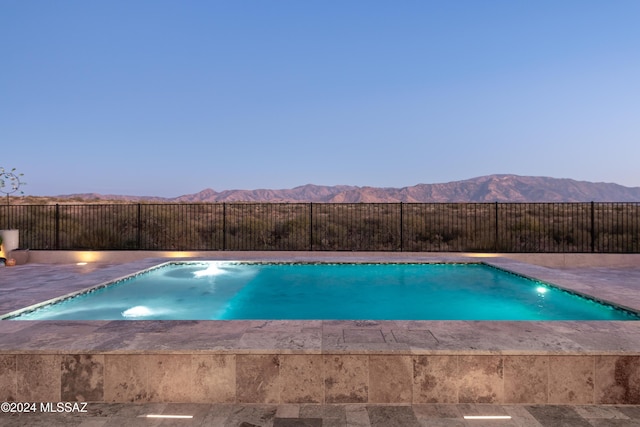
(309, 361)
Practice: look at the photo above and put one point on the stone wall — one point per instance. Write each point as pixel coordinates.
(321, 378)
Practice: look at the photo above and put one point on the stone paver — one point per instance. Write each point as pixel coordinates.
(100, 414)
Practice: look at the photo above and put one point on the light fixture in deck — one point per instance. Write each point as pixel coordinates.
(487, 417)
(174, 417)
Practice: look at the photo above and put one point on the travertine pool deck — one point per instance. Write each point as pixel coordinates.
(318, 362)
(340, 415)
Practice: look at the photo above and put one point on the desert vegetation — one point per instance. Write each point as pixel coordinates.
(456, 227)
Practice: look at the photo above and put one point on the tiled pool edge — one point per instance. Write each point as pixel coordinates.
(566, 363)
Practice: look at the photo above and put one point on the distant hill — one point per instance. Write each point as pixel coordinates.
(491, 188)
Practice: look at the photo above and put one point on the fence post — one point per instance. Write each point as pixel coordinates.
(401, 229)
(224, 226)
(139, 236)
(311, 226)
(57, 236)
(593, 228)
(5, 212)
(495, 249)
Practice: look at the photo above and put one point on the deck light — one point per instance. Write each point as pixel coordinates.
(487, 417)
(180, 254)
(186, 417)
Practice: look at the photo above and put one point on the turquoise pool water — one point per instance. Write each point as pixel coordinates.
(240, 290)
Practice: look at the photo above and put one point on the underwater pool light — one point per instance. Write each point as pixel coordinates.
(212, 270)
(137, 311)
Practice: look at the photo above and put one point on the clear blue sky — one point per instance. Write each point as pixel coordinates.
(153, 97)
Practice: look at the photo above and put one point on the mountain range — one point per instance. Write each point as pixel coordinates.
(491, 188)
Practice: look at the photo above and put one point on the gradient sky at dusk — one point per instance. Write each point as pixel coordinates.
(156, 97)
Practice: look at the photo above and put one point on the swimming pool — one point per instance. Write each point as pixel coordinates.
(219, 290)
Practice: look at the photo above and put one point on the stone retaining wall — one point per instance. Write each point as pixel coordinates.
(321, 378)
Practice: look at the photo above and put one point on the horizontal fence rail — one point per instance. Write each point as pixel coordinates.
(415, 227)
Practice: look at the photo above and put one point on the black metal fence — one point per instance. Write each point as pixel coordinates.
(417, 227)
